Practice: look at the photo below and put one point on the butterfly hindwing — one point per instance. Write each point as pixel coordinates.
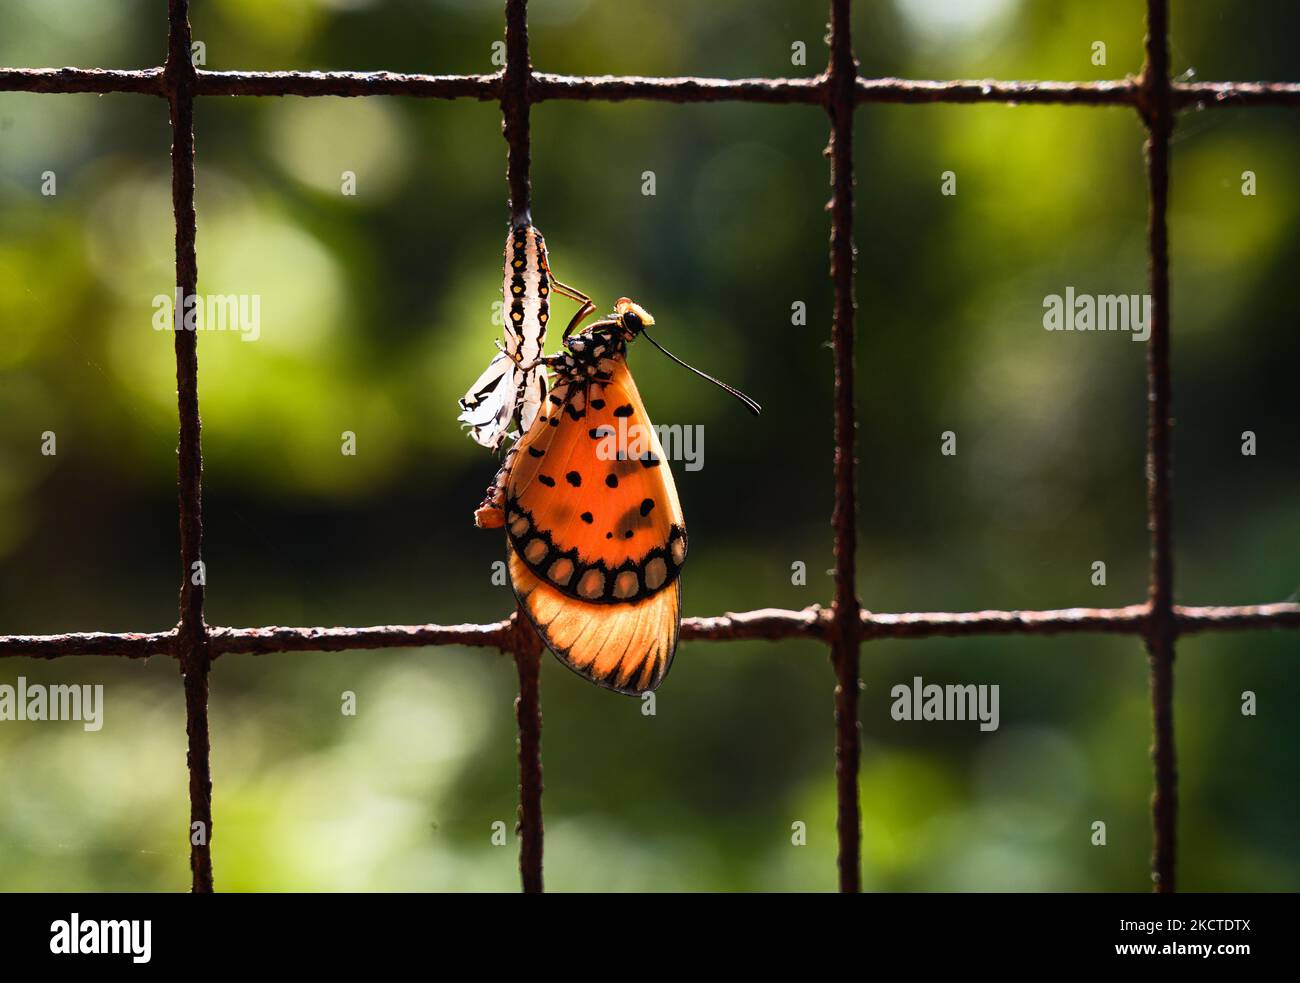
(623, 647)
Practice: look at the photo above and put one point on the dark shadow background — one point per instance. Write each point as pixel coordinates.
(376, 314)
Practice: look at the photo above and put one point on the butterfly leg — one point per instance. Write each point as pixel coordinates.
(587, 309)
(491, 513)
(571, 292)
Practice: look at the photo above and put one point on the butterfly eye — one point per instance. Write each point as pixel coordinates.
(632, 321)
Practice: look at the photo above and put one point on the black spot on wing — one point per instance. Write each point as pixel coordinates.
(647, 505)
(625, 410)
(534, 452)
(574, 479)
(546, 479)
(611, 480)
(588, 518)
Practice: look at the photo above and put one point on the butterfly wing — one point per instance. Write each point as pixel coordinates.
(490, 403)
(623, 647)
(596, 534)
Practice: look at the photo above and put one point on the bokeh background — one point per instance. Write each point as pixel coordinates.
(376, 314)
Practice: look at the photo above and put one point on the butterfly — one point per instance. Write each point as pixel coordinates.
(514, 383)
(595, 538)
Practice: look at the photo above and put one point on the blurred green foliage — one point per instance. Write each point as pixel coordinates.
(376, 313)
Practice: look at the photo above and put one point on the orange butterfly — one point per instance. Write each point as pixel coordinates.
(594, 531)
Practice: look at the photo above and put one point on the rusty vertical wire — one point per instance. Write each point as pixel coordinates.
(192, 636)
(527, 647)
(515, 110)
(524, 643)
(841, 97)
(1157, 112)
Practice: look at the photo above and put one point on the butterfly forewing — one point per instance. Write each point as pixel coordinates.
(591, 508)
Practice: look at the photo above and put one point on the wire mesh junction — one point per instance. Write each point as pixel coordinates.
(844, 626)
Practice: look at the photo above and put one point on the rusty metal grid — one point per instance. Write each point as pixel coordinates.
(845, 625)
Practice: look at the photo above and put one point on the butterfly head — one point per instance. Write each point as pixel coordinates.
(632, 317)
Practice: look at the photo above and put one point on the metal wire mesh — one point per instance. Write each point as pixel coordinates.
(844, 626)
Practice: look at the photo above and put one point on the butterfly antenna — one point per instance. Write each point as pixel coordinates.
(750, 404)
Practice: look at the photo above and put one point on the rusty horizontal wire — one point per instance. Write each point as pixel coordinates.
(545, 86)
(261, 641)
(617, 88)
(481, 87)
(769, 624)
(1126, 620)
(148, 80)
(1118, 92)
(764, 624)
(1206, 95)
(129, 645)
(1132, 619)
(1189, 621)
